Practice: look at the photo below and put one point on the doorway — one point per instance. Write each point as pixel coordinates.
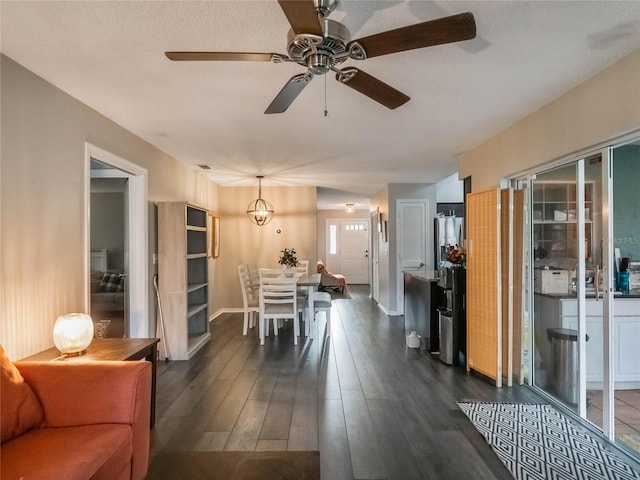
(109, 251)
(128, 264)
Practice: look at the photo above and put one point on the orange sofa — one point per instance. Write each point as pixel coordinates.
(75, 421)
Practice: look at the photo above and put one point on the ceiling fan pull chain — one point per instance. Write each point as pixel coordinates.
(325, 97)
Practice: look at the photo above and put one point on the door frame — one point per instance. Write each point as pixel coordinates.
(374, 239)
(137, 228)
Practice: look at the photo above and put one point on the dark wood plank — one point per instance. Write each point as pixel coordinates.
(335, 460)
(227, 414)
(191, 428)
(366, 457)
(394, 446)
(304, 419)
(277, 422)
(373, 408)
(247, 429)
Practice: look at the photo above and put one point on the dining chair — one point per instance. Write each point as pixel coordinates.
(250, 298)
(303, 267)
(322, 303)
(255, 277)
(278, 301)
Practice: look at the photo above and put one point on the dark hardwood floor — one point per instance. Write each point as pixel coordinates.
(373, 409)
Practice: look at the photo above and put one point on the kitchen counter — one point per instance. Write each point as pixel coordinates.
(426, 277)
(421, 298)
(618, 295)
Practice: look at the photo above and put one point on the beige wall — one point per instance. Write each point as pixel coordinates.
(244, 242)
(42, 191)
(601, 109)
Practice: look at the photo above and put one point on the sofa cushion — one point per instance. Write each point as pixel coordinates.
(97, 452)
(111, 282)
(21, 409)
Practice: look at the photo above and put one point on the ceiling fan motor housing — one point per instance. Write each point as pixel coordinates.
(319, 53)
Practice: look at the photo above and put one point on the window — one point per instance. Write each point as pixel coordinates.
(333, 239)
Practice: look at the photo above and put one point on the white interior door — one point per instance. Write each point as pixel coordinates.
(412, 234)
(354, 250)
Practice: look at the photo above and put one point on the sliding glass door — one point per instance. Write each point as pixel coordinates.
(624, 414)
(584, 277)
(562, 246)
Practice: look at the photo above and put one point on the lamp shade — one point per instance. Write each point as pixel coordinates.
(72, 333)
(259, 210)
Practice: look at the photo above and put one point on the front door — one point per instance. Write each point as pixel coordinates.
(354, 250)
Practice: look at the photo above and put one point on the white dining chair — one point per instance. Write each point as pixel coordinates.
(303, 267)
(278, 301)
(250, 298)
(255, 277)
(322, 303)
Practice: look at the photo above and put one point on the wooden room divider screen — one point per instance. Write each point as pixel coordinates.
(484, 285)
(495, 235)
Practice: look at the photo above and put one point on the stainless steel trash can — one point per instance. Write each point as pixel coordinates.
(445, 320)
(564, 363)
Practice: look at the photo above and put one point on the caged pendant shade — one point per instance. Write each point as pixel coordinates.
(259, 210)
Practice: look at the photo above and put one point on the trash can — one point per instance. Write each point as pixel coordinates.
(564, 363)
(446, 335)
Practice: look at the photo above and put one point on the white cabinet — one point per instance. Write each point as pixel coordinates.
(627, 351)
(626, 338)
(594, 334)
(183, 277)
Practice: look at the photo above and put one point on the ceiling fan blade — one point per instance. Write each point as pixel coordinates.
(372, 87)
(426, 34)
(289, 93)
(302, 16)
(219, 56)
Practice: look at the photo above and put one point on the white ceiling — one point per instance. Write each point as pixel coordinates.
(110, 55)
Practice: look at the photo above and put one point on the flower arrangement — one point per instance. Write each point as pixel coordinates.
(288, 258)
(456, 255)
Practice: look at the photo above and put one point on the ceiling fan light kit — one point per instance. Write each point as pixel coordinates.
(321, 45)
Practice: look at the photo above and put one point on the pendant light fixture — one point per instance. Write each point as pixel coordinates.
(260, 211)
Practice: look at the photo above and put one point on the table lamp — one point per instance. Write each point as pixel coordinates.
(72, 333)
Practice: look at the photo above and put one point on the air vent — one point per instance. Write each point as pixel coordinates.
(205, 167)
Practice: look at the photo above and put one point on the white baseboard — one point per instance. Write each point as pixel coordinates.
(216, 314)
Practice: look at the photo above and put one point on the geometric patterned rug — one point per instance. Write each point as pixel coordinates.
(537, 442)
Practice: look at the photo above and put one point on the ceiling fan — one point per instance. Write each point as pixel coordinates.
(320, 45)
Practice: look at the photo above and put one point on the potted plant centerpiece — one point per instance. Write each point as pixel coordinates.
(288, 258)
